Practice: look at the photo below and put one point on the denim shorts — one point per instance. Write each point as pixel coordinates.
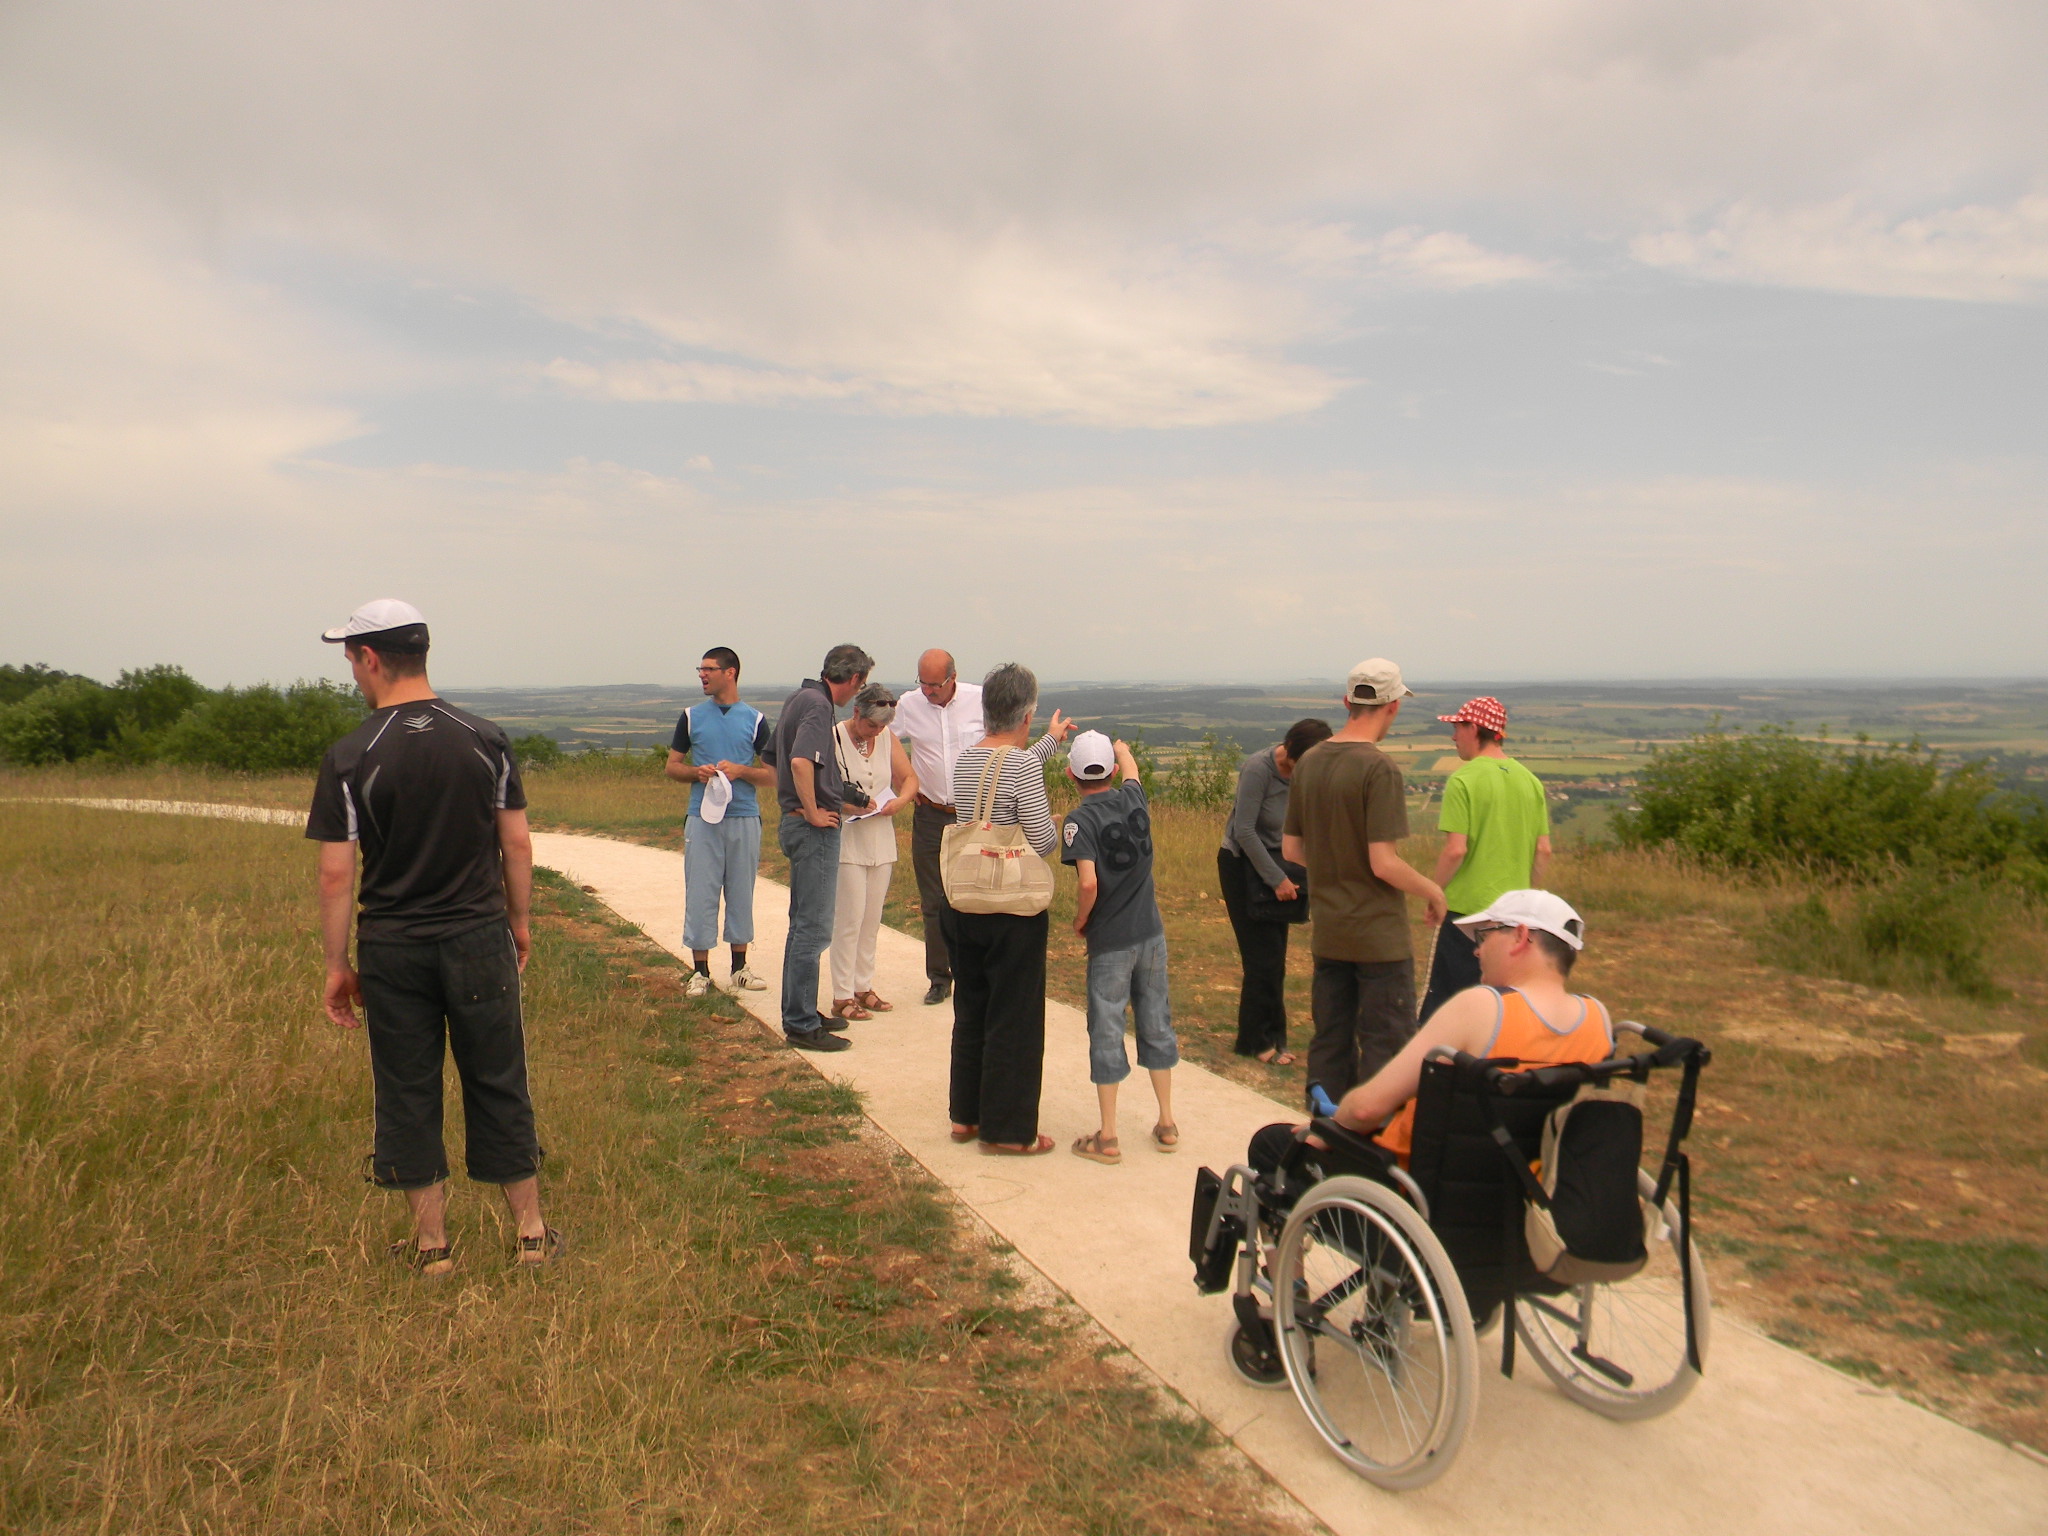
(1134, 977)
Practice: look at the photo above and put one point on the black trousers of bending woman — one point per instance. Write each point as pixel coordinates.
(998, 1023)
(1262, 947)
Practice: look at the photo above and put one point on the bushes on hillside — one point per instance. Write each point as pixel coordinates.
(160, 714)
(264, 729)
(1762, 798)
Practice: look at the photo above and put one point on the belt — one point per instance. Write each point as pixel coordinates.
(924, 799)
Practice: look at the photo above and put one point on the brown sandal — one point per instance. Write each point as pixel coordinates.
(427, 1263)
(1098, 1148)
(964, 1133)
(868, 999)
(850, 1008)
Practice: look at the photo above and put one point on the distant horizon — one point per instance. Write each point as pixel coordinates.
(1852, 680)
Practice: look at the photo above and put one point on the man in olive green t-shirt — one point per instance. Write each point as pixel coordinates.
(1496, 825)
(1345, 816)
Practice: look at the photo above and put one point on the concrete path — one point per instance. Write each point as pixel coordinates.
(1770, 1441)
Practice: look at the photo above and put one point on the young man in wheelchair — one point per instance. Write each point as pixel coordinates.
(1527, 942)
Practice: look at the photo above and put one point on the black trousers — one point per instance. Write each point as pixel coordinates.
(464, 990)
(998, 1023)
(1365, 1012)
(1453, 968)
(1262, 949)
(927, 825)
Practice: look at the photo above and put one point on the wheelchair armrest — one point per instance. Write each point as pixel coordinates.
(1340, 1139)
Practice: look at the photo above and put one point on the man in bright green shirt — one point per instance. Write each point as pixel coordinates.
(1496, 825)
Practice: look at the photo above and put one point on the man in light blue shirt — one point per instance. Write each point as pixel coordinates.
(716, 752)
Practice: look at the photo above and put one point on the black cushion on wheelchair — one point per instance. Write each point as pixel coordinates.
(1470, 1187)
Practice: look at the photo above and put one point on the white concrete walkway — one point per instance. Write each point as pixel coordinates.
(1771, 1441)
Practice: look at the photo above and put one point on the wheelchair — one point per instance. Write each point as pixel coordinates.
(1364, 1287)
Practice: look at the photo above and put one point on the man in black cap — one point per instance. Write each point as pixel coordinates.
(432, 796)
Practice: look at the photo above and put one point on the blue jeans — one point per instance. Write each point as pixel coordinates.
(813, 854)
(1135, 977)
(719, 856)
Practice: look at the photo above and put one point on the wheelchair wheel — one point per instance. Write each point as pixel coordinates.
(1620, 1349)
(1374, 1332)
(1255, 1364)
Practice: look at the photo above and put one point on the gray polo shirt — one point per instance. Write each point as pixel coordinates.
(804, 729)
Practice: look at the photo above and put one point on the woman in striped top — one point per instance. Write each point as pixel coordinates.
(999, 958)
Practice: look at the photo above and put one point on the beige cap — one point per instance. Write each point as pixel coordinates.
(1377, 681)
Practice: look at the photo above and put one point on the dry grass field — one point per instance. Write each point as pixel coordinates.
(1873, 1167)
(766, 1322)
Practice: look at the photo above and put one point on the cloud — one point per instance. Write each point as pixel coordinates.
(1974, 253)
(1408, 256)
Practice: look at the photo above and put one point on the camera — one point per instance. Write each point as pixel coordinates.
(852, 797)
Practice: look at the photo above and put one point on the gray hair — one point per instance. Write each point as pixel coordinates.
(1008, 695)
(845, 664)
(875, 704)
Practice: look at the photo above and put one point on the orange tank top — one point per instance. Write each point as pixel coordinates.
(1523, 1033)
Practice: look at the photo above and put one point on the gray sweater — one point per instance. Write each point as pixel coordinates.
(1253, 830)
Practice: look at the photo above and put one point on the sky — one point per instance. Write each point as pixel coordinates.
(1136, 341)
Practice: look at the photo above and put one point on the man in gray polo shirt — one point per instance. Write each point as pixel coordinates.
(810, 792)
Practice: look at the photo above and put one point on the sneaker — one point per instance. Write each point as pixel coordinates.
(817, 1040)
(744, 979)
(698, 985)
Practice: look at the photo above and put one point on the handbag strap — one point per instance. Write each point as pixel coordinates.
(991, 783)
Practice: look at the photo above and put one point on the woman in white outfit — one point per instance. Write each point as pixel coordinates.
(873, 760)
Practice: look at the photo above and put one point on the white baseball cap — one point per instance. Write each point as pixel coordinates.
(403, 625)
(1375, 681)
(1091, 757)
(717, 796)
(1533, 909)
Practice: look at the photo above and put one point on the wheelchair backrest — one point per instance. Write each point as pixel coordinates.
(1459, 1168)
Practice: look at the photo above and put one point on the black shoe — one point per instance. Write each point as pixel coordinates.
(937, 993)
(833, 1023)
(817, 1040)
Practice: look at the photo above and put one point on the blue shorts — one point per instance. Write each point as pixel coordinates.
(1133, 978)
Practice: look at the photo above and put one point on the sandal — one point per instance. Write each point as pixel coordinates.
(1166, 1137)
(538, 1252)
(850, 1008)
(1276, 1056)
(427, 1263)
(1038, 1148)
(1097, 1148)
(868, 999)
(964, 1133)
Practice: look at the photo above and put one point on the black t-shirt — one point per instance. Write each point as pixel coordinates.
(1115, 831)
(419, 786)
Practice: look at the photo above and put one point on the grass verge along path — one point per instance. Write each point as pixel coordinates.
(766, 1322)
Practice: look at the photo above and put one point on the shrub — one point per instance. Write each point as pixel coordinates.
(1205, 778)
(59, 723)
(1922, 930)
(537, 751)
(264, 729)
(1767, 797)
(17, 683)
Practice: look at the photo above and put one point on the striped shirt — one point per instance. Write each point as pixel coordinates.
(1020, 790)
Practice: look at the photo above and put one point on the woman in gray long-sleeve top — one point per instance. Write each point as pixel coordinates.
(1251, 851)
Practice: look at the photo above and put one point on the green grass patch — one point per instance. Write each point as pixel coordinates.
(1992, 1296)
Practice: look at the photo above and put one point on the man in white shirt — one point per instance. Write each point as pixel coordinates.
(935, 724)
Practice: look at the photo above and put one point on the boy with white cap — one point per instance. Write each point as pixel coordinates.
(1108, 840)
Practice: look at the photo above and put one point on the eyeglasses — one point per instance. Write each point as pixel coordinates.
(714, 669)
(1480, 931)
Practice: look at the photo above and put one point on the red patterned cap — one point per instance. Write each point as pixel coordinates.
(1489, 714)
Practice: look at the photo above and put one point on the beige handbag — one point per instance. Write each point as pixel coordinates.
(987, 868)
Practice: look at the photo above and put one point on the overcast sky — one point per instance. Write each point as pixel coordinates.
(1133, 341)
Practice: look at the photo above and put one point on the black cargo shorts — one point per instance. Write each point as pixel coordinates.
(463, 989)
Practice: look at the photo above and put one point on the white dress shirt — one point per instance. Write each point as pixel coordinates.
(935, 737)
